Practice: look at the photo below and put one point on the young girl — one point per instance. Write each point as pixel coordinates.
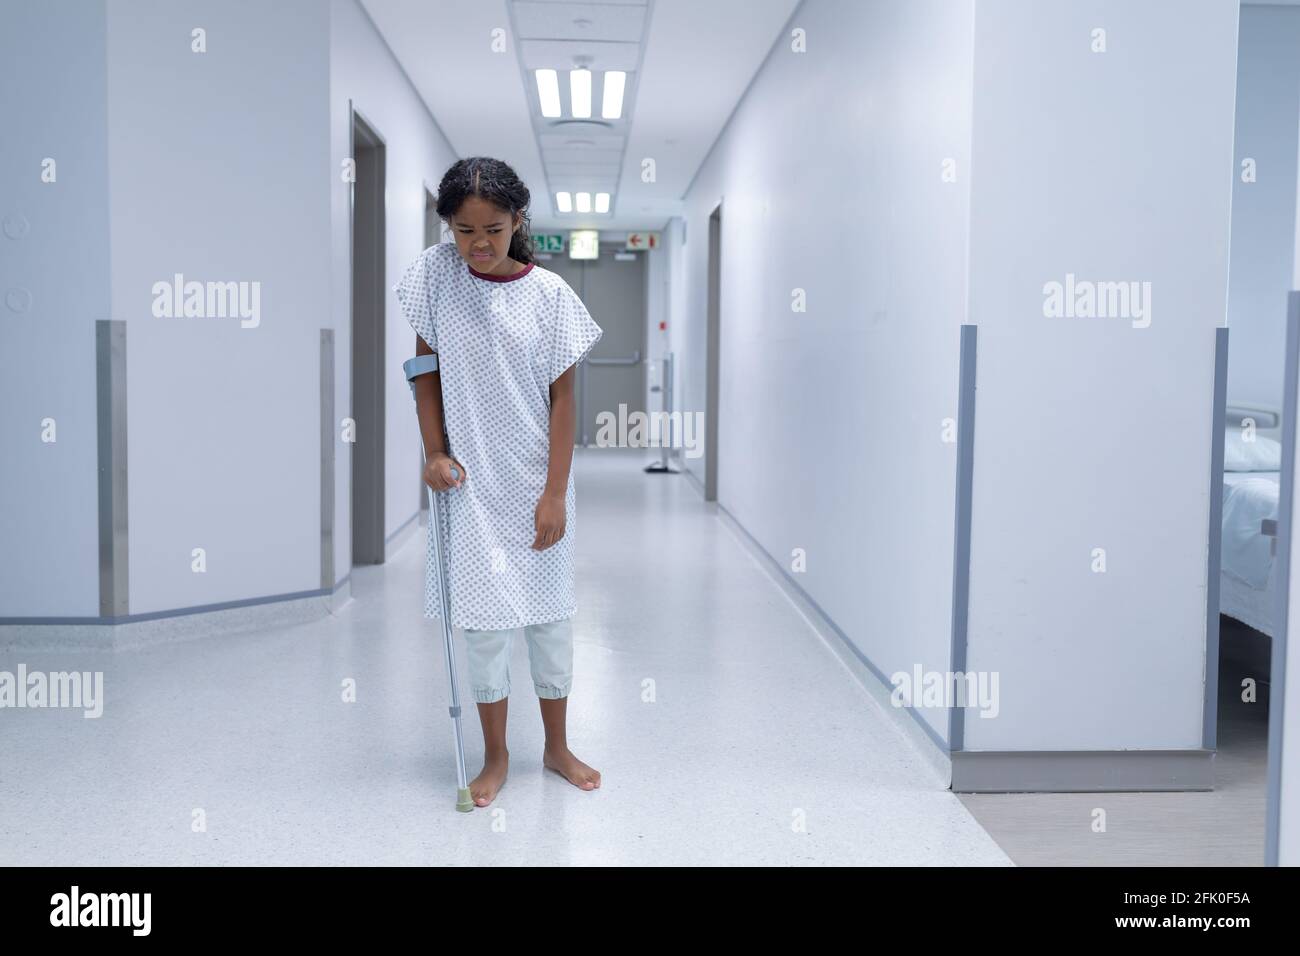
(508, 335)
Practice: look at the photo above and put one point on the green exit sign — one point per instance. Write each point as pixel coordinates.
(549, 243)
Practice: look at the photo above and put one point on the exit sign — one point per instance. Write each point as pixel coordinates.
(584, 244)
(548, 243)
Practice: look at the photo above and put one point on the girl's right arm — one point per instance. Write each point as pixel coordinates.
(428, 408)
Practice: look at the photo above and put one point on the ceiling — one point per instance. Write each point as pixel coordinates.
(688, 65)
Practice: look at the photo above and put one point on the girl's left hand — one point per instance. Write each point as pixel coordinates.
(549, 521)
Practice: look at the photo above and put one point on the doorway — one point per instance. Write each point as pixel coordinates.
(432, 236)
(432, 225)
(613, 288)
(368, 342)
(1254, 482)
(712, 349)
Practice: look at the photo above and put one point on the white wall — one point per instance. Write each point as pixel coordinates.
(1090, 433)
(222, 166)
(1263, 212)
(363, 69)
(53, 103)
(830, 436)
(211, 161)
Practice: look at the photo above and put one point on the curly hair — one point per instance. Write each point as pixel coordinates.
(494, 181)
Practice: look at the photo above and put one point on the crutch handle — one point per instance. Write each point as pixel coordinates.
(455, 473)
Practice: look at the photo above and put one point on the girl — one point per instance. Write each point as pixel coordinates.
(508, 335)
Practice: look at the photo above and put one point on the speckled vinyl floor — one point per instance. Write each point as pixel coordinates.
(1222, 827)
(724, 730)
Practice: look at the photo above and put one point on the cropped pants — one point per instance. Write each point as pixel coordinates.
(550, 657)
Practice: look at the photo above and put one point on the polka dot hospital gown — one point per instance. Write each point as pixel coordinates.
(501, 341)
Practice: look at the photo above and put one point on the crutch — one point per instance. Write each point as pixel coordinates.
(414, 368)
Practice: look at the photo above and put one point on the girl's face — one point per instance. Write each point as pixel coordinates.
(483, 233)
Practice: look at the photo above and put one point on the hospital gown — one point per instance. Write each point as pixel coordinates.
(500, 345)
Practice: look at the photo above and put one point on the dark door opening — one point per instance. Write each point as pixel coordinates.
(368, 343)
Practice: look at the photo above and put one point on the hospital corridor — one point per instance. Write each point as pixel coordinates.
(706, 769)
(648, 433)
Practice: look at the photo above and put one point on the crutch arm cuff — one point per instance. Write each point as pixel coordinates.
(420, 365)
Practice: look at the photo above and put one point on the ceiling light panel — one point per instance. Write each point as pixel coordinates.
(583, 149)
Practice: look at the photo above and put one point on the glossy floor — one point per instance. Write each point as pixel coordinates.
(724, 729)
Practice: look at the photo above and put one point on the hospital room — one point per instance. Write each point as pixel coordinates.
(1252, 577)
(866, 427)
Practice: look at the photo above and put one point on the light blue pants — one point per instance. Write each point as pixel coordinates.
(550, 657)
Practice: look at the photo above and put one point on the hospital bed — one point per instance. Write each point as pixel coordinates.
(1248, 570)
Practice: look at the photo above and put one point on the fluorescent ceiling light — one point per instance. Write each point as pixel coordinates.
(563, 202)
(602, 202)
(548, 92)
(580, 93)
(584, 202)
(612, 102)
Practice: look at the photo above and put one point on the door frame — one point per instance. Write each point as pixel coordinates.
(713, 360)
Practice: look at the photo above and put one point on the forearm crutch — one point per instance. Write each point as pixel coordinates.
(414, 368)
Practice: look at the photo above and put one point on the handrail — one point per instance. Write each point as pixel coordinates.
(634, 360)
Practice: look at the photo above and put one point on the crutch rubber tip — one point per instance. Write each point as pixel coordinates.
(464, 803)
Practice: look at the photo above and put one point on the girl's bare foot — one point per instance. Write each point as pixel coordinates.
(563, 762)
(484, 787)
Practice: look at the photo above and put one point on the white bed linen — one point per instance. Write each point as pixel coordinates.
(1248, 498)
(1247, 589)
